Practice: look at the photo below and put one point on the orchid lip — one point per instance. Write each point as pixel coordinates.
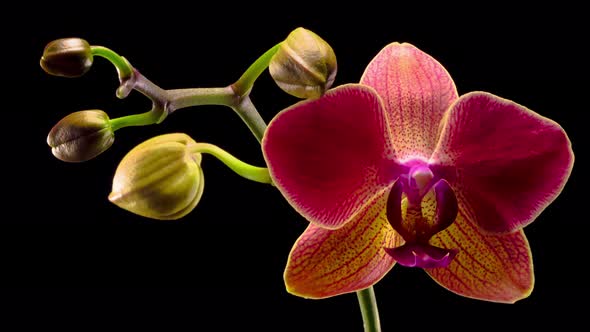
(415, 227)
(422, 255)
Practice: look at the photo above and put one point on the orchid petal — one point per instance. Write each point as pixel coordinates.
(416, 90)
(505, 162)
(331, 155)
(325, 263)
(495, 268)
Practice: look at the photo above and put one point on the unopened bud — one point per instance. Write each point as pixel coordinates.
(305, 65)
(81, 136)
(68, 57)
(160, 178)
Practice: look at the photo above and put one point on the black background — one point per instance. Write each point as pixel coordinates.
(71, 259)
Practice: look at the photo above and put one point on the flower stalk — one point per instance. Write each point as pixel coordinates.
(244, 84)
(124, 68)
(369, 310)
(253, 173)
(235, 96)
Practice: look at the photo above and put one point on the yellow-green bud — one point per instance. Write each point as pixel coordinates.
(160, 178)
(305, 65)
(68, 57)
(81, 136)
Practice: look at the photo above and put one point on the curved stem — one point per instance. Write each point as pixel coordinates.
(235, 96)
(368, 304)
(243, 85)
(181, 98)
(123, 67)
(244, 107)
(251, 117)
(258, 174)
(142, 119)
(149, 89)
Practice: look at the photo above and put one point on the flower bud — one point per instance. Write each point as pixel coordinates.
(160, 178)
(81, 136)
(68, 57)
(305, 65)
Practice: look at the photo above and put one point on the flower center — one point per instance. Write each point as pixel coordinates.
(421, 176)
(419, 181)
(418, 207)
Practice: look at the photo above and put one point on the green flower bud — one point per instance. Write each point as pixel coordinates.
(68, 57)
(160, 178)
(81, 136)
(305, 65)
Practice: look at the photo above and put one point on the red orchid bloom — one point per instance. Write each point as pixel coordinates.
(401, 169)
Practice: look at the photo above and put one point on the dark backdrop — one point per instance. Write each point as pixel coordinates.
(69, 258)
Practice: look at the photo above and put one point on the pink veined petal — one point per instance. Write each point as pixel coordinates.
(331, 155)
(506, 162)
(497, 268)
(416, 91)
(325, 263)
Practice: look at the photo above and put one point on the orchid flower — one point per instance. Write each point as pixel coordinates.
(399, 168)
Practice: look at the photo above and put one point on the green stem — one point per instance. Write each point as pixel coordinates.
(235, 96)
(251, 117)
(157, 95)
(243, 106)
(142, 119)
(368, 304)
(258, 174)
(123, 67)
(243, 85)
(181, 98)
